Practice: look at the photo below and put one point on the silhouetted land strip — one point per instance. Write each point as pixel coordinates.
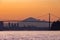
(14, 27)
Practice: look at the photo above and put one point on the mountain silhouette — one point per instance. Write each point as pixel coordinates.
(30, 19)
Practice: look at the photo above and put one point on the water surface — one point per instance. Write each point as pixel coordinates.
(29, 35)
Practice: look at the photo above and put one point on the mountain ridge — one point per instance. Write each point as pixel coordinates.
(31, 19)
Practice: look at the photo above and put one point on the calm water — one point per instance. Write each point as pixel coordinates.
(30, 35)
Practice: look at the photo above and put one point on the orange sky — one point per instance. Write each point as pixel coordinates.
(20, 9)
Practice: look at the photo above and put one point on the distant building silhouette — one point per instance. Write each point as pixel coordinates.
(13, 26)
(55, 25)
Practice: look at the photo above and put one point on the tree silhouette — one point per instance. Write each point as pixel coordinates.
(55, 25)
(1, 25)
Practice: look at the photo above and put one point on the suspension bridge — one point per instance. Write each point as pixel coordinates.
(47, 17)
(18, 23)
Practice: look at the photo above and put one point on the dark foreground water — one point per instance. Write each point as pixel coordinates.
(29, 35)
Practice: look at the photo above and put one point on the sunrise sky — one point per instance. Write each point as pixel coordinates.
(21, 9)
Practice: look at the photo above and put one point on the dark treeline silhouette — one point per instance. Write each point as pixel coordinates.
(55, 25)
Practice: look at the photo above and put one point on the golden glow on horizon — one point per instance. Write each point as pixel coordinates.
(20, 9)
